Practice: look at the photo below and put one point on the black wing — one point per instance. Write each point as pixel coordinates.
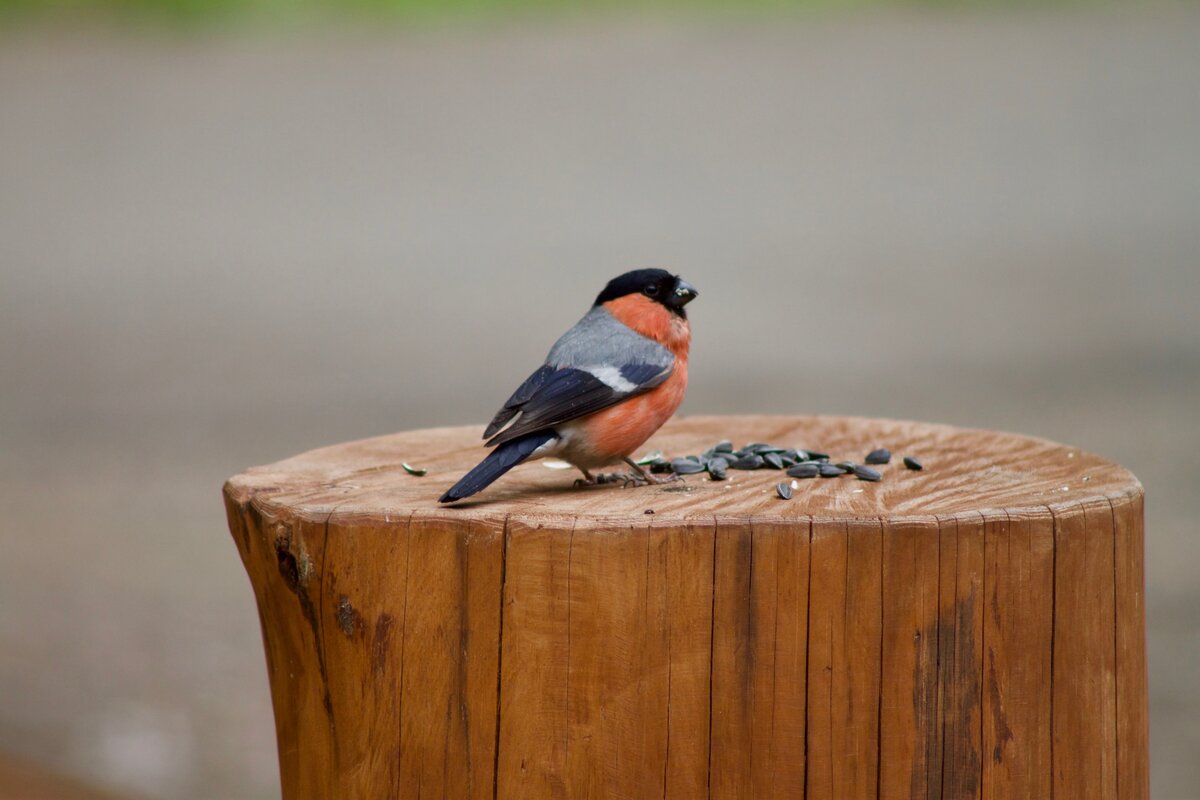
(550, 396)
(519, 398)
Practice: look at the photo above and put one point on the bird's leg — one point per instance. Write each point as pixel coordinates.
(587, 480)
(640, 477)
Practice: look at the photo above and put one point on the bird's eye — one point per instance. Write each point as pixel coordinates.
(651, 290)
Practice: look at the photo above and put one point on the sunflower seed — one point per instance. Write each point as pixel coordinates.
(784, 490)
(746, 462)
(755, 447)
(650, 458)
(846, 466)
(867, 474)
(807, 470)
(880, 456)
(786, 460)
(660, 467)
(912, 463)
(829, 471)
(772, 460)
(685, 466)
(716, 469)
(723, 446)
(813, 455)
(411, 470)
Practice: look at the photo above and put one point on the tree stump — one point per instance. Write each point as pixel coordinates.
(975, 629)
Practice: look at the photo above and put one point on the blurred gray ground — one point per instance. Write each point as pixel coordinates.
(218, 251)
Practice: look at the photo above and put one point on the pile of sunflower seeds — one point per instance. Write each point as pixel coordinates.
(798, 463)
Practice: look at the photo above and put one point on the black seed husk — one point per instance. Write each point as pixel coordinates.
(785, 490)
(867, 474)
(912, 463)
(411, 470)
(685, 466)
(880, 456)
(829, 471)
(746, 462)
(772, 460)
(661, 467)
(807, 470)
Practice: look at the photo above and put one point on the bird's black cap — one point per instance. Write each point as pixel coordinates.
(656, 284)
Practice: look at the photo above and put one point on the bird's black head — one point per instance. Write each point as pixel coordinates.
(656, 284)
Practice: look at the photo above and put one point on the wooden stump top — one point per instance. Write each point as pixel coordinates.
(966, 472)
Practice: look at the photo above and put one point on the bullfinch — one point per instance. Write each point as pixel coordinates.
(607, 385)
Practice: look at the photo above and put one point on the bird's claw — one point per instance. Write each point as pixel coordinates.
(649, 479)
(600, 478)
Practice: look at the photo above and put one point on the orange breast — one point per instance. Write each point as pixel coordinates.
(653, 321)
(616, 432)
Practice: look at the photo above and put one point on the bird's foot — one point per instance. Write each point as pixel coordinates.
(633, 479)
(649, 479)
(599, 478)
(643, 477)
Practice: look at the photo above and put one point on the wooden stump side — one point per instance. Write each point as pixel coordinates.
(987, 654)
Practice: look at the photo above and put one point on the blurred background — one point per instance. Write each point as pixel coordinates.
(231, 231)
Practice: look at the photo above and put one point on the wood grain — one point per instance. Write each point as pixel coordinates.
(960, 656)
(973, 630)
(1084, 703)
(1133, 726)
(1018, 636)
(910, 736)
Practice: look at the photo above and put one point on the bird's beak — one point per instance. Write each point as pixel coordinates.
(684, 293)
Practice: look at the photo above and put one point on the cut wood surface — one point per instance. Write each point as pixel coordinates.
(972, 630)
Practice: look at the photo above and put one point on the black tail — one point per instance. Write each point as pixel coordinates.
(498, 462)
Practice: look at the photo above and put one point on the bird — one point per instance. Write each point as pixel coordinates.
(606, 386)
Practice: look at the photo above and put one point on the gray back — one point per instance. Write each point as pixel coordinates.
(599, 339)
